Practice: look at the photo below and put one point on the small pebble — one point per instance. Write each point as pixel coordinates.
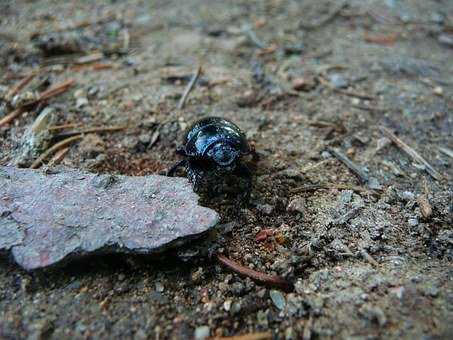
(302, 84)
(159, 287)
(326, 155)
(438, 91)
(227, 305)
(413, 222)
(297, 204)
(202, 332)
(265, 209)
(290, 334)
(261, 293)
(92, 91)
(278, 299)
(80, 93)
(338, 81)
(261, 318)
(80, 102)
(437, 17)
(236, 308)
(407, 195)
(446, 39)
(144, 138)
(397, 292)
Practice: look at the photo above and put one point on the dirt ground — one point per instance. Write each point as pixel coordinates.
(367, 256)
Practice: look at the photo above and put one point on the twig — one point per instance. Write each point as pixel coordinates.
(446, 151)
(53, 149)
(314, 166)
(90, 58)
(411, 152)
(126, 39)
(343, 219)
(253, 37)
(91, 130)
(381, 39)
(327, 186)
(58, 157)
(425, 207)
(189, 88)
(251, 336)
(367, 108)
(64, 126)
(363, 177)
(85, 23)
(423, 201)
(271, 280)
(24, 82)
(11, 116)
(55, 91)
(307, 329)
(324, 20)
(368, 257)
(349, 93)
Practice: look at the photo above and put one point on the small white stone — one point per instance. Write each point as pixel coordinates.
(81, 102)
(438, 91)
(202, 332)
(80, 93)
(227, 305)
(159, 287)
(413, 222)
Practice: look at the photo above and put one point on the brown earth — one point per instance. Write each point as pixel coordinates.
(298, 78)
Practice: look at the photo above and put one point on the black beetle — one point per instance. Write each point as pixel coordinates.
(214, 145)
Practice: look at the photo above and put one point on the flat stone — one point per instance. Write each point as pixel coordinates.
(47, 218)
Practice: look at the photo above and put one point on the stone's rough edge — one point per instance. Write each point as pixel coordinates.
(9, 174)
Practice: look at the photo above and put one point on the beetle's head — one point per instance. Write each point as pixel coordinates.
(224, 155)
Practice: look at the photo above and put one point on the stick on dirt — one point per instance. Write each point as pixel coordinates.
(64, 126)
(189, 88)
(90, 130)
(368, 257)
(411, 152)
(363, 177)
(24, 82)
(346, 92)
(327, 186)
(251, 336)
(270, 280)
(446, 151)
(55, 91)
(11, 116)
(58, 157)
(37, 163)
(324, 20)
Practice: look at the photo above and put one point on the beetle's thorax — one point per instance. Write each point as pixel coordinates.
(222, 153)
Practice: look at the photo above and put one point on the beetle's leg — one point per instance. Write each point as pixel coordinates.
(172, 170)
(195, 174)
(254, 153)
(243, 171)
(181, 150)
(255, 156)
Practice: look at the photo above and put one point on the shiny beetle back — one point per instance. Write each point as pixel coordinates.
(209, 131)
